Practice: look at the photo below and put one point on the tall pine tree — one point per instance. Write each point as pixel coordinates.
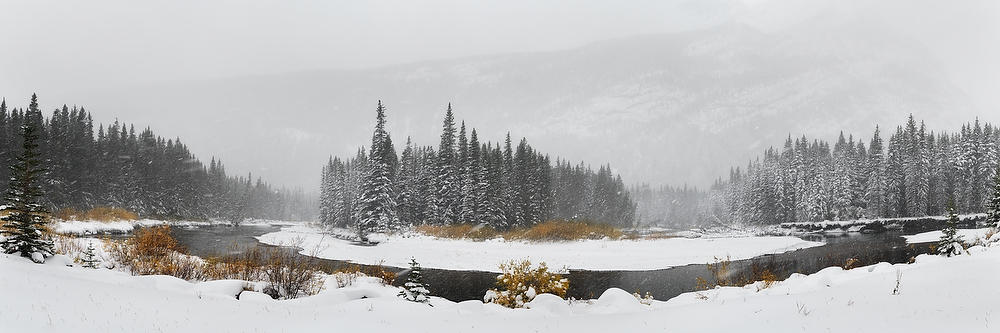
(26, 217)
(377, 205)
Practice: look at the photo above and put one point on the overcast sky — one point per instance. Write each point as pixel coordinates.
(57, 47)
(154, 40)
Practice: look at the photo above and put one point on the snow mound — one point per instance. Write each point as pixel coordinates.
(968, 235)
(230, 289)
(549, 303)
(257, 297)
(615, 300)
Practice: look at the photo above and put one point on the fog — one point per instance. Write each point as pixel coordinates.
(667, 92)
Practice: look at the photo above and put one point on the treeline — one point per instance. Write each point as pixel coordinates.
(678, 207)
(917, 173)
(138, 171)
(465, 180)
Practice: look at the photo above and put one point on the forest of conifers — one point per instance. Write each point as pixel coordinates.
(918, 173)
(465, 181)
(140, 172)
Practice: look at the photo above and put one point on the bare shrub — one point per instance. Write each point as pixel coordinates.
(347, 275)
(520, 282)
(289, 275)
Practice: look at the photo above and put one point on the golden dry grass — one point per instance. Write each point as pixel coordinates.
(555, 230)
(101, 213)
(153, 251)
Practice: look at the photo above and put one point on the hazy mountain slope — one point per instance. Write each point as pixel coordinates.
(662, 108)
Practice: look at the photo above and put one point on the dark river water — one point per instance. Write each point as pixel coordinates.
(662, 284)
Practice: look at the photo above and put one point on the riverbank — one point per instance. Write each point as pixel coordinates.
(461, 254)
(80, 228)
(876, 298)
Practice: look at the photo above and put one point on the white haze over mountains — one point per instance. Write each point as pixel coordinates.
(672, 105)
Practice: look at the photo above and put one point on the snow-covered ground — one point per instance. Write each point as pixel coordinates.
(487, 255)
(859, 224)
(934, 294)
(968, 235)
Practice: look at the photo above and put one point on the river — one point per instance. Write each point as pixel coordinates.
(661, 284)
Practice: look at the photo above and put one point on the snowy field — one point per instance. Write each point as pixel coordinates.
(456, 254)
(968, 235)
(935, 294)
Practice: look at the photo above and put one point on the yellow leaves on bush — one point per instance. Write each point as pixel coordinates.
(520, 282)
(554, 230)
(101, 213)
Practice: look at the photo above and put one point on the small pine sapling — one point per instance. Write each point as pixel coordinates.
(950, 243)
(89, 259)
(415, 290)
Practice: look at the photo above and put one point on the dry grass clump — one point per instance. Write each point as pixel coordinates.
(723, 277)
(555, 230)
(347, 275)
(101, 213)
(520, 282)
(459, 231)
(380, 272)
(567, 230)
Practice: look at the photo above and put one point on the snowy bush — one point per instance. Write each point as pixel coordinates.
(520, 282)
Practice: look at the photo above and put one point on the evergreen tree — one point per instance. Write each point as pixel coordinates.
(950, 243)
(26, 217)
(377, 206)
(993, 208)
(415, 290)
(89, 259)
(446, 195)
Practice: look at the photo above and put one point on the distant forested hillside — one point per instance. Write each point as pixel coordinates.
(916, 173)
(139, 171)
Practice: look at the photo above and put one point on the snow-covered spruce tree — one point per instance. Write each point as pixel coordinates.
(950, 243)
(415, 290)
(993, 207)
(26, 217)
(377, 206)
(446, 188)
(89, 258)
